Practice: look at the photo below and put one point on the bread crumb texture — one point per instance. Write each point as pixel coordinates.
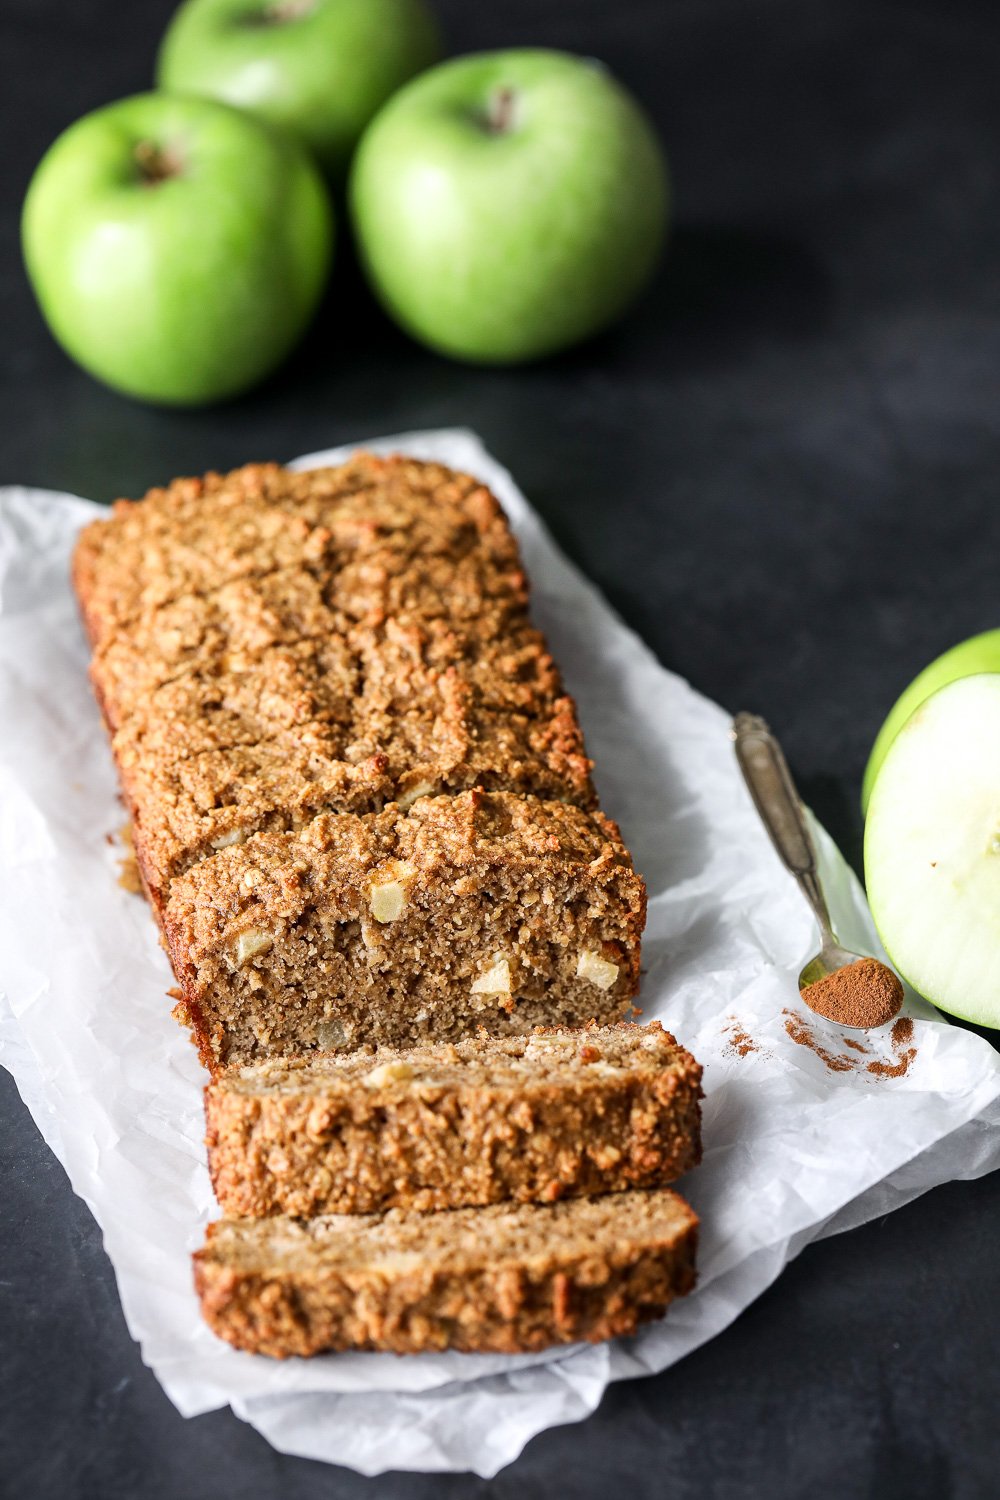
(440, 1125)
(504, 1279)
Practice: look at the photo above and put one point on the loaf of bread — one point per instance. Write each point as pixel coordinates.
(506, 1279)
(447, 1125)
(363, 816)
(361, 806)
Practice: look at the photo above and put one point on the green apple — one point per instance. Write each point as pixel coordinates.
(932, 849)
(979, 654)
(509, 204)
(320, 68)
(177, 247)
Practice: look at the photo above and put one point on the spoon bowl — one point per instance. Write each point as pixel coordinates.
(827, 961)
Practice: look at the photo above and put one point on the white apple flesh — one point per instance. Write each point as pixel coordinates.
(932, 849)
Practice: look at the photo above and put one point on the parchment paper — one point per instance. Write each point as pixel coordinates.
(793, 1149)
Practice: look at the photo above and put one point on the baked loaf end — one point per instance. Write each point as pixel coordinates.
(484, 908)
(503, 1279)
(271, 645)
(388, 530)
(445, 1125)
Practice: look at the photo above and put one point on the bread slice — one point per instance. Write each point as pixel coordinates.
(504, 1279)
(408, 925)
(444, 1125)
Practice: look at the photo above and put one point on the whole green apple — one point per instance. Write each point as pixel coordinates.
(981, 653)
(509, 204)
(177, 247)
(320, 68)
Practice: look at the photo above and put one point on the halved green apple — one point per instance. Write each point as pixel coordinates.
(932, 849)
(981, 653)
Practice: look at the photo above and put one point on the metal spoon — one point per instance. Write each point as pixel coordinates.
(770, 783)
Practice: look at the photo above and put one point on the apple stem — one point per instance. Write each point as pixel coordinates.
(500, 116)
(156, 163)
(281, 11)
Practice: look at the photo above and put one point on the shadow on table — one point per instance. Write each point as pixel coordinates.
(738, 287)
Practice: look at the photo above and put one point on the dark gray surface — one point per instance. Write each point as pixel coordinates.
(783, 471)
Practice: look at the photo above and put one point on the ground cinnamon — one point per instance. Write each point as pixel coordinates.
(799, 1032)
(900, 1039)
(740, 1042)
(864, 993)
(900, 1036)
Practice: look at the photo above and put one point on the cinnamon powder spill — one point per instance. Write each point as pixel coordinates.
(864, 993)
(740, 1042)
(900, 1041)
(799, 1032)
(900, 1037)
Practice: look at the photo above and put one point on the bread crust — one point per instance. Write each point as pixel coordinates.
(560, 1114)
(269, 645)
(503, 1280)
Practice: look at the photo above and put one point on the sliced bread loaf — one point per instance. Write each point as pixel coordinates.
(406, 926)
(442, 1125)
(504, 1279)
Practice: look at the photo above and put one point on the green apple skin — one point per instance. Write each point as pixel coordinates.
(981, 653)
(187, 289)
(319, 68)
(506, 241)
(932, 849)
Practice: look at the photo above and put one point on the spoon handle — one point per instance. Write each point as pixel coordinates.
(770, 783)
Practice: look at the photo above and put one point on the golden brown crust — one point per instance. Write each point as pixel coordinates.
(534, 1119)
(503, 1279)
(383, 527)
(270, 645)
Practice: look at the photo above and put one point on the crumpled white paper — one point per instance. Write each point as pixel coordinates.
(792, 1150)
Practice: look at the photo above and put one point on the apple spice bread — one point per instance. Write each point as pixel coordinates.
(269, 645)
(447, 1125)
(361, 806)
(409, 925)
(503, 1279)
(268, 742)
(389, 531)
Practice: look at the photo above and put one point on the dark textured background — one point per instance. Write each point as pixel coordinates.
(783, 470)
